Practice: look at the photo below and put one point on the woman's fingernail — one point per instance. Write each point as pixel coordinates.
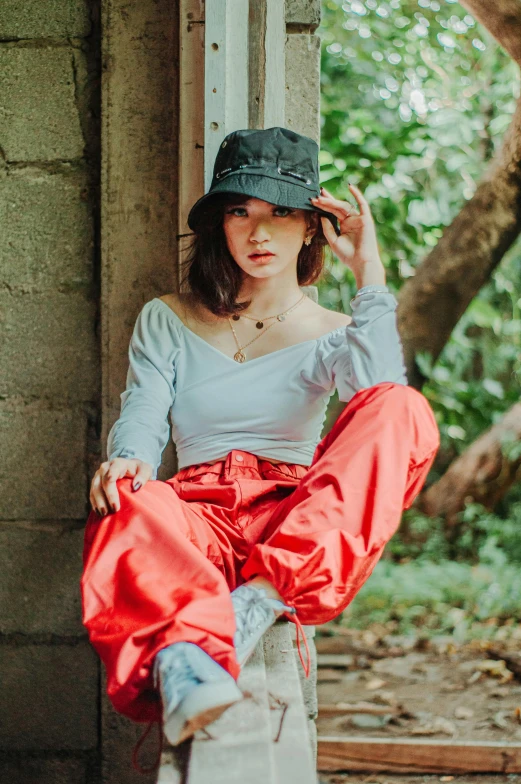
(137, 485)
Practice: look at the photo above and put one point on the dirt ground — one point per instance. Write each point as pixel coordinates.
(388, 686)
(385, 778)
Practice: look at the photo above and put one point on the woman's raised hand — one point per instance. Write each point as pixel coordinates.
(356, 246)
(104, 496)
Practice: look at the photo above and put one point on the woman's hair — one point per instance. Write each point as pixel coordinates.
(212, 274)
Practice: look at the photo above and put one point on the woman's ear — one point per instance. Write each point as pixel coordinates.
(312, 224)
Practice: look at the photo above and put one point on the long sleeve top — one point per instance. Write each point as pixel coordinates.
(273, 406)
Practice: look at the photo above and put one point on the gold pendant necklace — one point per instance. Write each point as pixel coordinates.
(239, 355)
(260, 322)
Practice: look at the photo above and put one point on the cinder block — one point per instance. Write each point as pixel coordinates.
(51, 350)
(34, 770)
(39, 580)
(42, 471)
(48, 698)
(303, 95)
(39, 118)
(47, 231)
(34, 19)
(120, 736)
(305, 12)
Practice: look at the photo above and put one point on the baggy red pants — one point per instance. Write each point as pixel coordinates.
(160, 570)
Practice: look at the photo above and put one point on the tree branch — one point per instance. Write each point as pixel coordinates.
(502, 19)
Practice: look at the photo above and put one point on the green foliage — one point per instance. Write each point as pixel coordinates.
(416, 98)
(481, 536)
(432, 598)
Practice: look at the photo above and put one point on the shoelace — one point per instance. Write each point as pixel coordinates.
(136, 748)
(292, 614)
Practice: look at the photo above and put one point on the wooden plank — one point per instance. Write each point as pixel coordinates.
(291, 746)
(345, 708)
(239, 748)
(408, 755)
(342, 661)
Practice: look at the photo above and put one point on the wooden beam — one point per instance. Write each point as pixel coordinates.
(348, 708)
(412, 755)
(341, 661)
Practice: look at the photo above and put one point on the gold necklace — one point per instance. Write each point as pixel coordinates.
(239, 355)
(260, 322)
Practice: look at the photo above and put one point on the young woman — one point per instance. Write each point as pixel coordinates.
(181, 578)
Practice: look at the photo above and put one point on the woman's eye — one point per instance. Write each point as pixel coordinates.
(285, 210)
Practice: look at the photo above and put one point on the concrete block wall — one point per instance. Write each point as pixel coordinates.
(49, 385)
(303, 67)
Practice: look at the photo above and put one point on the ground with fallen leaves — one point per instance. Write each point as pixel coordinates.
(381, 778)
(379, 684)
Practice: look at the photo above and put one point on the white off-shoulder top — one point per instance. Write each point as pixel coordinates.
(273, 406)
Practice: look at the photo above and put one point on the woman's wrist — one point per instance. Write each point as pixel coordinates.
(371, 288)
(372, 274)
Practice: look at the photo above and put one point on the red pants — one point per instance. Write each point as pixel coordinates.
(161, 569)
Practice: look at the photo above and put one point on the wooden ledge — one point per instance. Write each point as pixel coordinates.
(264, 739)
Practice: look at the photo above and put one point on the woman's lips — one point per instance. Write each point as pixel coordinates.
(265, 257)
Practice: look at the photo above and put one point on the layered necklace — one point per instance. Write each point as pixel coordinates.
(239, 355)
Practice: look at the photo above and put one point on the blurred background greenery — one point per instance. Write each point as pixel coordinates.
(416, 98)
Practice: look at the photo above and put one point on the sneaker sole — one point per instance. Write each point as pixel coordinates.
(203, 705)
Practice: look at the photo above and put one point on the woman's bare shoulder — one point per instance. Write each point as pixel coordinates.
(179, 303)
(332, 319)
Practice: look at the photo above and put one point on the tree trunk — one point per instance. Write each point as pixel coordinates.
(481, 474)
(450, 276)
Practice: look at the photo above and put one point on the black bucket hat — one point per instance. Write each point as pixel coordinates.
(273, 164)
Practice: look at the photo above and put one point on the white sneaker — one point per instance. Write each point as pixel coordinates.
(194, 689)
(255, 612)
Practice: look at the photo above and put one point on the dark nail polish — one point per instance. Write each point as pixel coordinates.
(137, 485)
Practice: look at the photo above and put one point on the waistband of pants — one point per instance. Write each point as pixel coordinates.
(239, 461)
